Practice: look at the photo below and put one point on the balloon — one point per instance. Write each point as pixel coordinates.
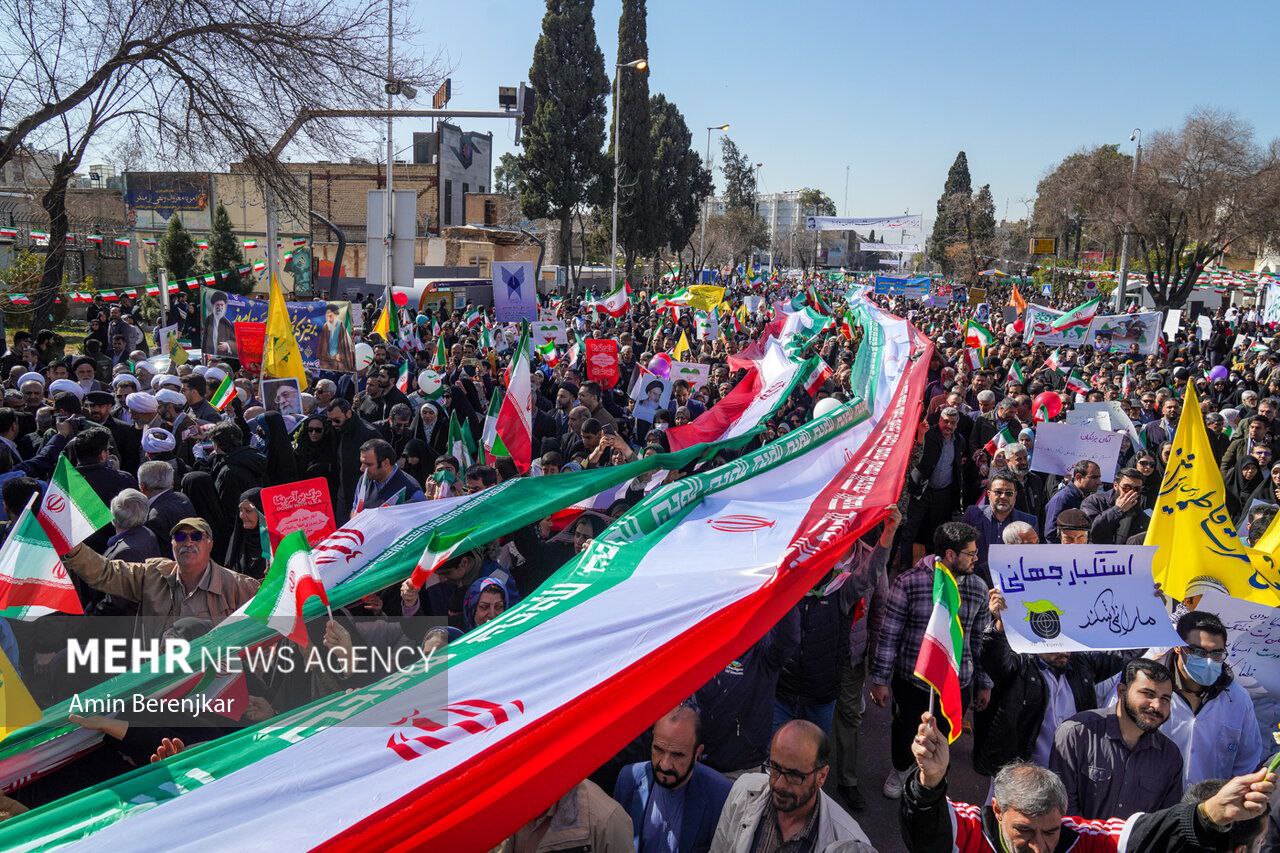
(429, 382)
(660, 365)
(1218, 373)
(364, 356)
(400, 298)
(824, 406)
(1020, 325)
(1046, 402)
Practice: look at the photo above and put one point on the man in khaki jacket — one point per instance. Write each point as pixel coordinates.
(191, 584)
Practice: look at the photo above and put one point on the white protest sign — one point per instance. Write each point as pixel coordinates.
(1171, 322)
(1097, 420)
(544, 331)
(692, 372)
(1059, 446)
(1075, 598)
(162, 337)
(1253, 651)
(1116, 417)
(1204, 328)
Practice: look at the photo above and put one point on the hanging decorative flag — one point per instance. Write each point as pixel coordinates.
(251, 244)
(150, 241)
(94, 238)
(19, 299)
(9, 233)
(299, 241)
(121, 241)
(260, 266)
(202, 244)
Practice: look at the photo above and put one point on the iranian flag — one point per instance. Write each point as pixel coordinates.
(259, 266)
(153, 290)
(474, 317)
(549, 355)
(1041, 414)
(978, 335)
(494, 449)
(441, 361)
(33, 582)
(1016, 374)
(999, 440)
(515, 418)
(1054, 361)
(402, 379)
(94, 238)
(1076, 383)
(251, 244)
(616, 304)
(462, 444)
(820, 374)
(8, 233)
(202, 244)
(938, 664)
(121, 241)
(223, 395)
(19, 299)
(290, 581)
(973, 358)
(71, 510)
(1081, 315)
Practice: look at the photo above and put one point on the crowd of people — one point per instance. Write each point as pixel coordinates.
(1155, 749)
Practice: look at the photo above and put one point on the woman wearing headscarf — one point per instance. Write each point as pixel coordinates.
(417, 461)
(199, 488)
(244, 554)
(269, 434)
(431, 426)
(316, 452)
(1242, 483)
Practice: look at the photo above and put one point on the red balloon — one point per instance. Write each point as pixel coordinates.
(400, 298)
(1019, 325)
(1046, 402)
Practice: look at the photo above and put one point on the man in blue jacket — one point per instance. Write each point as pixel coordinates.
(674, 800)
(993, 517)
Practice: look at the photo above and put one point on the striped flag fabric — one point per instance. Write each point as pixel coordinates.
(973, 358)
(402, 378)
(251, 244)
(441, 361)
(290, 581)
(94, 238)
(33, 581)
(462, 444)
(494, 449)
(71, 511)
(515, 417)
(999, 440)
(1016, 374)
(202, 244)
(1126, 381)
(1054, 361)
(820, 374)
(121, 241)
(1076, 383)
(615, 304)
(223, 395)
(474, 317)
(19, 299)
(549, 355)
(8, 233)
(1081, 315)
(978, 335)
(938, 664)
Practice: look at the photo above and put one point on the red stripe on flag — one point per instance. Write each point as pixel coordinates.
(933, 667)
(33, 592)
(308, 585)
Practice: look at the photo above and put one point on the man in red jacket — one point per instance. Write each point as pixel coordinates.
(1028, 812)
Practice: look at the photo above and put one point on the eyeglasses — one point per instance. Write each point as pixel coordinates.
(973, 553)
(1146, 463)
(793, 777)
(194, 536)
(315, 429)
(1218, 655)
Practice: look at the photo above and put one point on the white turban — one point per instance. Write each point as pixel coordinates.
(157, 440)
(213, 376)
(141, 403)
(126, 379)
(59, 385)
(30, 376)
(168, 380)
(168, 395)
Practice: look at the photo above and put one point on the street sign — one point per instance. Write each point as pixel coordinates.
(404, 233)
(507, 97)
(440, 99)
(1044, 245)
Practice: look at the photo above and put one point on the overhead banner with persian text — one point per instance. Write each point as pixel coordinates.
(848, 223)
(904, 248)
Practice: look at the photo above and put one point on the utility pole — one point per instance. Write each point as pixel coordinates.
(846, 190)
(388, 275)
(1123, 281)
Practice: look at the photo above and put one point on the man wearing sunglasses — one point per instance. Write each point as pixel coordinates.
(1211, 716)
(191, 584)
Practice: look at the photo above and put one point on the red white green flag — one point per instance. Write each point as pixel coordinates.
(402, 380)
(290, 581)
(973, 358)
(223, 395)
(978, 335)
(71, 511)
(1081, 315)
(515, 417)
(1054, 361)
(1016, 374)
(474, 317)
(549, 355)
(33, 581)
(938, 664)
(616, 304)
(1076, 383)
(999, 440)
(494, 449)
(820, 374)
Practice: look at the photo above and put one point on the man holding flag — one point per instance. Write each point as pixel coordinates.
(911, 624)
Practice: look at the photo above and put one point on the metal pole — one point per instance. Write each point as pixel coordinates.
(702, 241)
(846, 190)
(1121, 286)
(389, 208)
(617, 145)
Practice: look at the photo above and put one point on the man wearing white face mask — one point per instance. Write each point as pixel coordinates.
(1211, 717)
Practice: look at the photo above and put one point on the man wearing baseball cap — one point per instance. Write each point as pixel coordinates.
(191, 584)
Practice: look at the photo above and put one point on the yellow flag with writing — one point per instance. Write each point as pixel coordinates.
(705, 297)
(17, 708)
(281, 357)
(681, 349)
(1194, 533)
(177, 353)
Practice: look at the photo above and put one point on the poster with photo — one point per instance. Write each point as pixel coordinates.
(283, 396)
(651, 393)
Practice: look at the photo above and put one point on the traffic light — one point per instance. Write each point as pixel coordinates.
(526, 106)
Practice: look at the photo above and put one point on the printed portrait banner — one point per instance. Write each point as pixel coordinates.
(1039, 329)
(847, 223)
(323, 329)
(515, 293)
(692, 372)
(1059, 446)
(1271, 308)
(1120, 332)
(249, 342)
(162, 337)
(304, 506)
(602, 361)
(1076, 598)
(545, 331)
(1253, 652)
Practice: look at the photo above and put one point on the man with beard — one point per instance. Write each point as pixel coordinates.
(1116, 763)
(673, 799)
(991, 519)
(785, 807)
(334, 348)
(219, 334)
(1030, 484)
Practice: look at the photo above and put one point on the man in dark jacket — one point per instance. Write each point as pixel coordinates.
(936, 482)
(1030, 695)
(353, 431)
(737, 704)
(155, 480)
(1118, 514)
(1086, 477)
(92, 447)
(236, 467)
(128, 441)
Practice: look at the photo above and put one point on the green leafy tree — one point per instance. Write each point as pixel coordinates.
(816, 202)
(507, 175)
(226, 253)
(563, 163)
(948, 226)
(640, 228)
(175, 251)
(679, 171)
(739, 178)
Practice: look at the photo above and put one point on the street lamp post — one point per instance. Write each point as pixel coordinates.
(756, 207)
(702, 240)
(638, 65)
(1123, 281)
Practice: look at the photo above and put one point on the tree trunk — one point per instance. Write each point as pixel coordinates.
(54, 203)
(566, 249)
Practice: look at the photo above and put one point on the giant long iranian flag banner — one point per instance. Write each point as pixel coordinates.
(378, 548)
(540, 696)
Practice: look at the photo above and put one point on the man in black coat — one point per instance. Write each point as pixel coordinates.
(127, 440)
(352, 431)
(91, 449)
(1118, 514)
(936, 482)
(237, 468)
(1031, 695)
(155, 480)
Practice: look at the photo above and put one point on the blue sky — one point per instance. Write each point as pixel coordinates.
(894, 90)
